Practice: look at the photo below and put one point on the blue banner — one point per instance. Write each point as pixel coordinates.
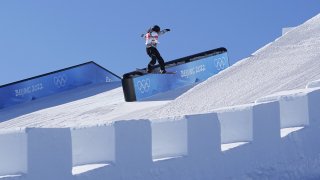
(52, 83)
(186, 74)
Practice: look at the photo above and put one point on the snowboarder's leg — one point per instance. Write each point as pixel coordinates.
(160, 60)
(152, 61)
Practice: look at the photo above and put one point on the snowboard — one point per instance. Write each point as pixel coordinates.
(144, 71)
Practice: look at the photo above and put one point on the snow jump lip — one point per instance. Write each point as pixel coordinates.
(189, 70)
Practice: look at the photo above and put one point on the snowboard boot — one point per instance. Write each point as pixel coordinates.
(163, 71)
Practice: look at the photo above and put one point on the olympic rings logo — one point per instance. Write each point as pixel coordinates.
(144, 85)
(220, 63)
(60, 81)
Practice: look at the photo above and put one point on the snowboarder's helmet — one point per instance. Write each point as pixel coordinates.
(156, 28)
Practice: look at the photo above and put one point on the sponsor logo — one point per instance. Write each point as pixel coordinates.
(60, 81)
(192, 71)
(29, 89)
(220, 63)
(144, 85)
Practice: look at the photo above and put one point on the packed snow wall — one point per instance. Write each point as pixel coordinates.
(188, 70)
(55, 82)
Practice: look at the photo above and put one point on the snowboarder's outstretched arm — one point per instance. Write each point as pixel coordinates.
(164, 31)
(160, 33)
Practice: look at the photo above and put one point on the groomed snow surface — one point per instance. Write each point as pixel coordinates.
(258, 119)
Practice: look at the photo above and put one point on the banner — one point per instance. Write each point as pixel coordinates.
(55, 82)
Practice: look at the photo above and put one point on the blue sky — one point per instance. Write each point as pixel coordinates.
(40, 36)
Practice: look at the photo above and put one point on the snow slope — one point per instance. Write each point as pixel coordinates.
(289, 62)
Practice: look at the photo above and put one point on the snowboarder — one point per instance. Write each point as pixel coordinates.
(151, 46)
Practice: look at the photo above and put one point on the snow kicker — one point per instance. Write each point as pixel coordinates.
(189, 70)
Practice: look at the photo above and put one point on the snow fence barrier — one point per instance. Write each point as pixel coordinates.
(93, 145)
(298, 108)
(52, 153)
(183, 136)
(13, 152)
(36, 153)
(251, 122)
(142, 148)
